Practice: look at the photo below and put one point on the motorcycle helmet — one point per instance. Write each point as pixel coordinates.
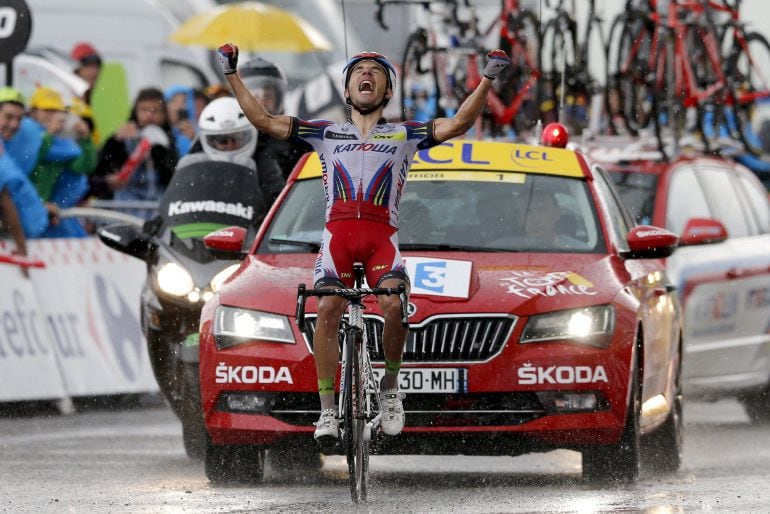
(259, 74)
(225, 132)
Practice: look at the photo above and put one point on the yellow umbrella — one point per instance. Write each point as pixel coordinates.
(254, 27)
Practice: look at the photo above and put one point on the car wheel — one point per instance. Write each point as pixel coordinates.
(193, 427)
(233, 463)
(662, 449)
(294, 461)
(618, 462)
(757, 405)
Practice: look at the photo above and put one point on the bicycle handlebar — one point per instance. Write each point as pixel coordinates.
(349, 294)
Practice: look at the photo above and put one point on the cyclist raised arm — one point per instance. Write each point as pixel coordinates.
(365, 163)
(275, 125)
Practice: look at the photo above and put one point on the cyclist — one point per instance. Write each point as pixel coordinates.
(365, 163)
(226, 135)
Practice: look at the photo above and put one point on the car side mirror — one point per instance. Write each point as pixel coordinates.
(701, 231)
(128, 239)
(227, 243)
(648, 242)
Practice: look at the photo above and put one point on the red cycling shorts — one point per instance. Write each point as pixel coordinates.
(372, 243)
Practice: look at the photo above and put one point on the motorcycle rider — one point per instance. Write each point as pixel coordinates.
(224, 134)
(268, 84)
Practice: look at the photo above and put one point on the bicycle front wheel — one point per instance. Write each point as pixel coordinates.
(748, 74)
(356, 445)
(636, 72)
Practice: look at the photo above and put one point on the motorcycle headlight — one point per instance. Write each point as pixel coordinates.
(219, 278)
(233, 326)
(173, 279)
(592, 326)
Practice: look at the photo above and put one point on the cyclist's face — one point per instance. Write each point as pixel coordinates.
(368, 84)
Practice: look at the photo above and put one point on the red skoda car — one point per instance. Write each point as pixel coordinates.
(541, 318)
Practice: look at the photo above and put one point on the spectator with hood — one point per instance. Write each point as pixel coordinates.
(66, 146)
(182, 115)
(34, 215)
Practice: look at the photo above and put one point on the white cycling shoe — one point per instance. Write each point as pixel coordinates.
(327, 428)
(392, 410)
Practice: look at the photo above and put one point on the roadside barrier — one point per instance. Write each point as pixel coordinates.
(72, 328)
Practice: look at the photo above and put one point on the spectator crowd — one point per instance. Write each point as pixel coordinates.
(53, 156)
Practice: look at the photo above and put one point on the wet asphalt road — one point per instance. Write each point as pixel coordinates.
(133, 461)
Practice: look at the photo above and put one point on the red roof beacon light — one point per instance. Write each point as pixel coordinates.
(555, 135)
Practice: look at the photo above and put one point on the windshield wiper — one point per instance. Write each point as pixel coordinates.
(450, 248)
(310, 245)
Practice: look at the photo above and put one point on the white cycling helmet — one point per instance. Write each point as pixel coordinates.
(225, 132)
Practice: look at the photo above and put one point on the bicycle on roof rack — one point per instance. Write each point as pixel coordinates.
(671, 74)
(359, 399)
(443, 61)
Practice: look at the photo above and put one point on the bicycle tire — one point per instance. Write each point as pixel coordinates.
(611, 84)
(747, 70)
(636, 78)
(356, 448)
(414, 72)
(560, 44)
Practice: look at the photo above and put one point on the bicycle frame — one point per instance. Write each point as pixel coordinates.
(685, 84)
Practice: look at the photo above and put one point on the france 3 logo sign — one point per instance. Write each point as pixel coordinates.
(440, 277)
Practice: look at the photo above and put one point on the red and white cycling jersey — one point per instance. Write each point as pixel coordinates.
(364, 178)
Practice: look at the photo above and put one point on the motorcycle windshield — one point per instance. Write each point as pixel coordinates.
(206, 196)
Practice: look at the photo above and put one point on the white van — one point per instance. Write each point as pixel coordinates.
(133, 33)
(133, 39)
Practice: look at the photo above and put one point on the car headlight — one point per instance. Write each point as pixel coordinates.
(173, 279)
(219, 278)
(592, 326)
(233, 326)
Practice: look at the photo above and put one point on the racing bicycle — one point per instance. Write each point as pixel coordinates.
(359, 399)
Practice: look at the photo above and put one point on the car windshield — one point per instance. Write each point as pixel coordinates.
(637, 191)
(523, 213)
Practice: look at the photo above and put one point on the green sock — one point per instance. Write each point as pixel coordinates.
(326, 393)
(390, 380)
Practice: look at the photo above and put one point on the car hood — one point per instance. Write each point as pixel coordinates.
(519, 284)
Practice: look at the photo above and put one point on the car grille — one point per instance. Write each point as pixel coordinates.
(441, 338)
(430, 410)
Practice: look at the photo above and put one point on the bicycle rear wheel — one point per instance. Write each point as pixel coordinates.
(635, 73)
(560, 53)
(748, 75)
(420, 91)
(356, 445)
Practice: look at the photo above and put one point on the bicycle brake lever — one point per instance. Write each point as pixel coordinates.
(403, 302)
(300, 311)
